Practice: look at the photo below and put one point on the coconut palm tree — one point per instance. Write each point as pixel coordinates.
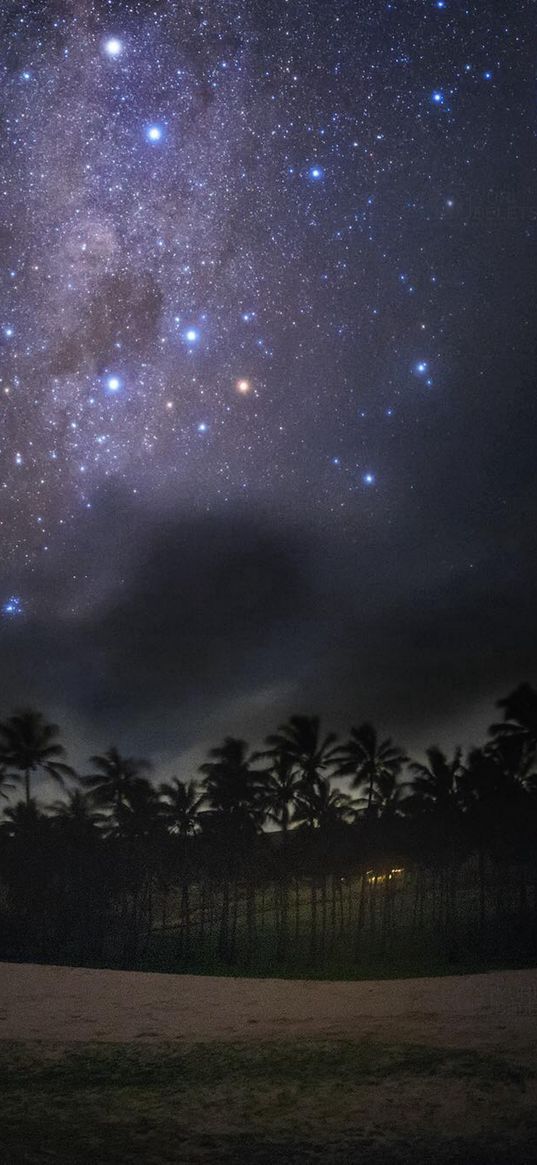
(23, 819)
(280, 785)
(436, 784)
(76, 809)
(323, 811)
(301, 743)
(115, 778)
(369, 761)
(180, 803)
(520, 716)
(234, 795)
(29, 744)
(231, 786)
(180, 806)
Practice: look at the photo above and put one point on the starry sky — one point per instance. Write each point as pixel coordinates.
(267, 365)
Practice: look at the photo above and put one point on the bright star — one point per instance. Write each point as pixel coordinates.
(8, 332)
(113, 47)
(316, 173)
(154, 133)
(243, 386)
(438, 97)
(368, 478)
(202, 427)
(192, 335)
(12, 606)
(421, 367)
(487, 76)
(113, 383)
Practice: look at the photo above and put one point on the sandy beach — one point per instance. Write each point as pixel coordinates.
(497, 1010)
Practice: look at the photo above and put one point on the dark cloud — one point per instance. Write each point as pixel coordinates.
(201, 623)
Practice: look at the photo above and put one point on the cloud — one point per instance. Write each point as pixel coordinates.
(196, 624)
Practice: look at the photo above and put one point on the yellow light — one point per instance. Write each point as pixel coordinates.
(243, 386)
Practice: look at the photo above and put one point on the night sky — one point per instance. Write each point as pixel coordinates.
(267, 366)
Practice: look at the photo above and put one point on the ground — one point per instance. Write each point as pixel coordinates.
(115, 1067)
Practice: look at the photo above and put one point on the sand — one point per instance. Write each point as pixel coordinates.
(492, 1011)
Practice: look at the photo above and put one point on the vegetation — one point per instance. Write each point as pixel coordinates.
(265, 864)
(306, 1101)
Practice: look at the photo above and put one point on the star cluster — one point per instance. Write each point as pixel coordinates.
(256, 250)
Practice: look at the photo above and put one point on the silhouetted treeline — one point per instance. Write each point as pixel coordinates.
(264, 863)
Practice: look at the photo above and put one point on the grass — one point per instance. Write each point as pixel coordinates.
(408, 959)
(266, 1102)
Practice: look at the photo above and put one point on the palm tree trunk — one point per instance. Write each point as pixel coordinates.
(27, 786)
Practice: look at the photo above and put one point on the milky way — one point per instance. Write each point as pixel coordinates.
(275, 255)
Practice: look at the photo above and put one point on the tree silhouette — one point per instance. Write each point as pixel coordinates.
(115, 778)
(300, 742)
(29, 744)
(368, 760)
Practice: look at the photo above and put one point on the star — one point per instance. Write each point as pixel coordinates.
(368, 478)
(437, 97)
(243, 386)
(154, 134)
(113, 47)
(192, 335)
(12, 606)
(202, 427)
(421, 367)
(316, 173)
(114, 383)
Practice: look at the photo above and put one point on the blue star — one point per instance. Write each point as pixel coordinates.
(437, 97)
(335, 461)
(421, 367)
(487, 76)
(154, 134)
(8, 332)
(316, 173)
(113, 47)
(192, 335)
(12, 606)
(368, 478)
(202, 427)
(113, 383)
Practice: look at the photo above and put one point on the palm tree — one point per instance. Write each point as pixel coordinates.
(280, 786)
(321, 807)
(435, 785)
(435, 802)
(300, 742)
(520, 716)
(232, 787)
(76, 811)
(234, 794)
(23, 819)
(369, 761)
(180, 803)
(29, 744)
(323, 811)
(115, 779)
